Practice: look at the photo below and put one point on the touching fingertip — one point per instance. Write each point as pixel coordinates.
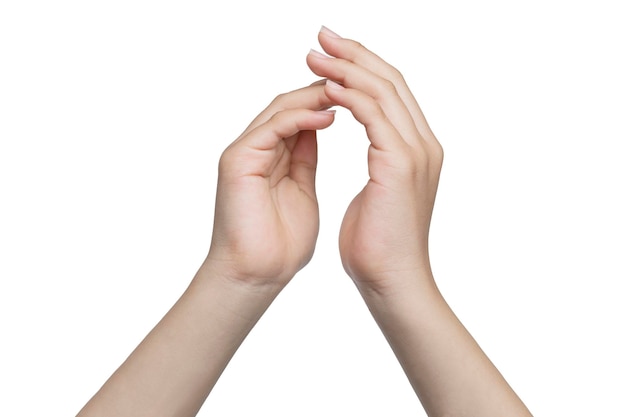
(334, 85)
(327, 112)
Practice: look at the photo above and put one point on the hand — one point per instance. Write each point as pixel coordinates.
(266, 222)
(266, 215)
(385, 229)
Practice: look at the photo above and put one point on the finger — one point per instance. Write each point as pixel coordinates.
(311, 97)
(382, 90)
(318, 82)
(284, 124)
(355, 52)
(304, 161)
(380, 131)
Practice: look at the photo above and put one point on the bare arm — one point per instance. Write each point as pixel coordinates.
(175, 367)
(266, 225)
(384, 238)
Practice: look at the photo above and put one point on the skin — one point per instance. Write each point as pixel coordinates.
(384, 238)
(266, 225)
(266, 188)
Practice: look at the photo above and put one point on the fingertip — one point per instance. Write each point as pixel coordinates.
(327, 32)
(316, 60)
(329, 115)
(334, 85)
(316, 54)
(330, 41)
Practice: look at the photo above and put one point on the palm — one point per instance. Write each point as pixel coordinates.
(269, 212)
(385, 227)
(363, 238)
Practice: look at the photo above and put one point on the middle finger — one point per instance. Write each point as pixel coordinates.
(380, 89)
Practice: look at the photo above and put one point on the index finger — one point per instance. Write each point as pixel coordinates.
(311, 97)
(355, 52)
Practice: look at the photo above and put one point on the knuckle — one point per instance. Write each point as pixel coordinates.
(275, 118)
(396, 75)
(226, 160)
(438, 156)
(355, 49)
(388, 87)
(384, 88)
(279, 100)
(357, 46)
(369, 106)
(437, 153)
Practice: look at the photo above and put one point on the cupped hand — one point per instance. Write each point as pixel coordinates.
(384, 234)
(266, 214)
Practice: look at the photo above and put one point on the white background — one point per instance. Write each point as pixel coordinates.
(113, 115)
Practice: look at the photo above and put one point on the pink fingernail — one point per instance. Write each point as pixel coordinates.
(329, 32)
(334, 85)
(316, 54)
(329, 112)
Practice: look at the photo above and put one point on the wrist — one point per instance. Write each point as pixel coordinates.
(410, 292)
(257, 267)
(413, 279)
(228, 277)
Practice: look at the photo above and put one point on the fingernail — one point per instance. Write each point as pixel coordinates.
(329, 32)
(328, 112)
(334, 85)
(316, 54)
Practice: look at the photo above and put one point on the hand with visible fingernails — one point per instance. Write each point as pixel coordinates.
(265, 229)
(385, 229)
(266, 214)
(384, 238)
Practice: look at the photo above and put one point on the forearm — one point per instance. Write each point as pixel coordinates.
(175, 367)
(265, 226)
(447, 369)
